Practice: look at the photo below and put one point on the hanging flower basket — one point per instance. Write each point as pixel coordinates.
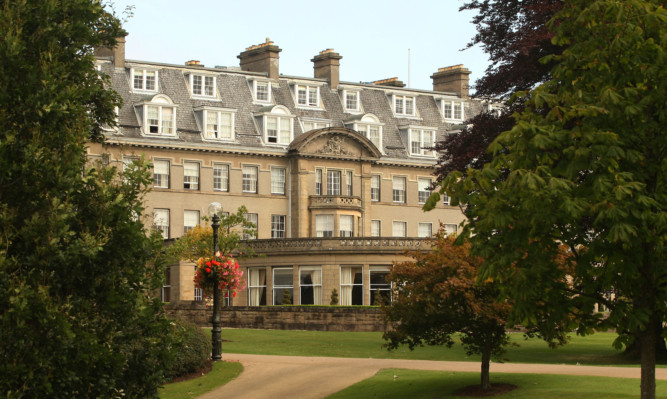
(222, 268)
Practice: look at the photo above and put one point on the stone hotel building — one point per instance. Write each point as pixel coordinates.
(334, 174)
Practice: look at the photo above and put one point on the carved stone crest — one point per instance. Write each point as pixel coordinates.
(334, 146)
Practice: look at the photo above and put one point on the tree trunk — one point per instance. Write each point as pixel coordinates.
(486, 359)
(647, 342)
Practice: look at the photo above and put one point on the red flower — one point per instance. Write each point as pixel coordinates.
(208, 270)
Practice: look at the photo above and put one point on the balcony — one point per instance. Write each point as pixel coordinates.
(334, 202)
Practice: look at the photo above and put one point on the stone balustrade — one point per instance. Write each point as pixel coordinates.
(334, 201)
(339, 244)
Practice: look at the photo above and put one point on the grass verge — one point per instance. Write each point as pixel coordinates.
(416, 384)
(222, 373)
(590, 350)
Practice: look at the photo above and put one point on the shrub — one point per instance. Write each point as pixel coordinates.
(334, 297)
(191, 351)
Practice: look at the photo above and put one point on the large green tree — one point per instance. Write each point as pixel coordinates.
(584, 165)
(76, 264)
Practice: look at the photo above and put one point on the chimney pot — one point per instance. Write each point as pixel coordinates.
(261, 58)
(326, 65)
(452, 79)
(392, 82)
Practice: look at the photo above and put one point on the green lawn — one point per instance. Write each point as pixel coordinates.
(222, 373)
(592, 350)
(416, 384)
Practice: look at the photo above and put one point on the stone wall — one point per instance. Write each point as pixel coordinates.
(335, 318)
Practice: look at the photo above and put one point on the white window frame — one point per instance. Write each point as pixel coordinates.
(423, 189)
(142, 73)
(334, 182)
(279, 288)
(348, 285)
(418, 137)
(366, 126)
(399, 228)
(376, 228)
(191, 180)
(161, 168)
(315, 284)
(324, 225)
(221, 179)
(452, 110)
(445, 199)
(284, 126)
(216, 133)
(256, 283)
(349, 177)
(252, 218)
(312, 96)
(384, 287)
(318, 181)
(250, 174)
(425, 230)
(376, 184)
(451, 228)
(308, 124)
(278, 180)
(400, 105)
(256, 84)
(161, 221)
(357, 101)
(163, 127)
(278, 226)
(203, 92)
(399, 184)
(346, 225)
(190, 220)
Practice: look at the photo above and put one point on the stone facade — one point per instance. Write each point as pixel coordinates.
(335, 174)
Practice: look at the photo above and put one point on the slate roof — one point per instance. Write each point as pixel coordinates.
(234, 91)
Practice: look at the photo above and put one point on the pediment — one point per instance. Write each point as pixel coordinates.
(334, 142)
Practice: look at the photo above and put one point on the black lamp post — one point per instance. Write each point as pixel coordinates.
(216, 340)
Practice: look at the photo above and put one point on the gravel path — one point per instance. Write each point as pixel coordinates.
(285, 377)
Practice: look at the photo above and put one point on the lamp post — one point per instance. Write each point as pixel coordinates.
(216, 340)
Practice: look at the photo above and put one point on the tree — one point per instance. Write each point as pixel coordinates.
(439, 297)
(584, 166)
(198, 241)
(515, 36)
(77, 318)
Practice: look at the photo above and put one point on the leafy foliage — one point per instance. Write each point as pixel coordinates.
(77, 318)
(439, 297)
(584, 166)
(198, 242)
(191, 350)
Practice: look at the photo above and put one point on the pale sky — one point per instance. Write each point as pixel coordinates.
(373, 37)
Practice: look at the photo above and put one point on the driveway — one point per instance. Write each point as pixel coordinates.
(278, 377)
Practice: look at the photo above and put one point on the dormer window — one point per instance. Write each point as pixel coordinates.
(404, 105)
(312, 124)
(452, 110)
(202, 85)
(277, 125)
(351, 101)
(158, 116)
(369, 125)
(216, 123)
(261, 91)
(422, 141)
(307, 96)
(144, 79)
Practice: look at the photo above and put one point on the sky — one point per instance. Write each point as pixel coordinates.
(377, 39)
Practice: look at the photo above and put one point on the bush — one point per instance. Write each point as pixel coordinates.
(191, 351)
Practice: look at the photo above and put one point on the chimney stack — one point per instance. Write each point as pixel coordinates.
(117, 53)
(193, 63)
(391, 82)
(261, 58)
(326, 65)
(453, 79)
